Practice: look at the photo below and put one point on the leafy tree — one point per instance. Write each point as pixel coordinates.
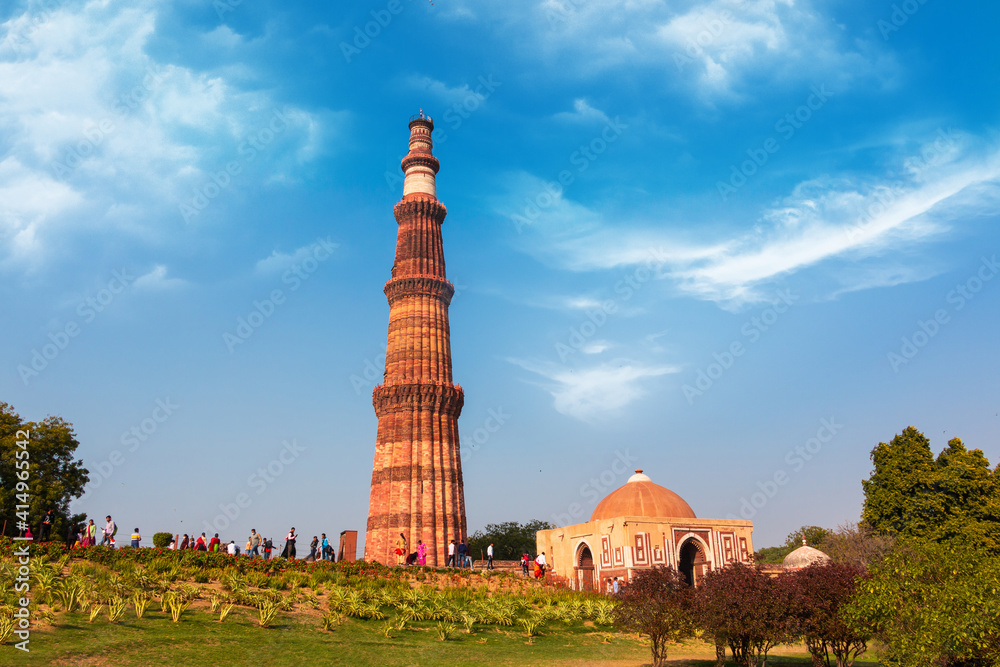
(912, 495)
(857, 544)
(815, 536)
(509, 539)
(54, 477)
(932, 603)
(162, 540)
(748, 609)
(821, 592)
(657, 603)
(897, 492)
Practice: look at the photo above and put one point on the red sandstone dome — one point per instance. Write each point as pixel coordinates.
(641, 497)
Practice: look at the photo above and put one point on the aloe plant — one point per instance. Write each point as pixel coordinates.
(94, 611)
(267, 612)
(116, 609)
(140, 601)
(224, 611)
(178, 603)
(444, 631)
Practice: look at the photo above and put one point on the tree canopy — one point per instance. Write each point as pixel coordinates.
(510, 539)
(910, 494)
(54, 477)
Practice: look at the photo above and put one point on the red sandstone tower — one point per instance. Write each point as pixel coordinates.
(417, 478)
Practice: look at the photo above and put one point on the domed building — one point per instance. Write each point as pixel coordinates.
(803, 557)
(638, 526)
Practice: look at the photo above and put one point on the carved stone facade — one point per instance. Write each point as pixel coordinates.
(587, 555)
(417, 476)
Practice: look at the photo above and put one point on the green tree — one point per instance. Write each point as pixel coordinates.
(857, 544)
(657, 603)
(509, 539)
(898, 491)
(932, 603)
(910, 494)
(54, 478)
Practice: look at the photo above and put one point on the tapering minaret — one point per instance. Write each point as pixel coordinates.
(417, 478)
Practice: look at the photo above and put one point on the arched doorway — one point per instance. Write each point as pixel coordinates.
(585, 569)
(692, 561)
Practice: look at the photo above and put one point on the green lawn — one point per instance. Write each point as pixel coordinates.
(298, 640)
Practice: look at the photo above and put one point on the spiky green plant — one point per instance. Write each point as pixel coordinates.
(330, 620)
(468, 620)
(6, 624)
(444, 631)
(140, 601)
(94, 611)
(267, 612)
(178, 603)
(116, 609)
(224, 611)
(68, 593)
(531, 625)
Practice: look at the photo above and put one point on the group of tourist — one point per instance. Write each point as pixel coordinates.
(90, 534)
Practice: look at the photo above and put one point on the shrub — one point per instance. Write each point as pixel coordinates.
(657, 604)
(162, 540)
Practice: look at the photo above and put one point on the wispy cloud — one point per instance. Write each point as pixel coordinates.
(852, 218)
(588, 394)
(157, 279)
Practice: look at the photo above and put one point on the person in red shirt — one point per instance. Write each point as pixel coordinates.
(213, 544)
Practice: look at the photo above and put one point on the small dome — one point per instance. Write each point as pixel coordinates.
(803, 557)
(641, 497)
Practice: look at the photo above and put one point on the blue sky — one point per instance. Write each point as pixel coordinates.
(727, 242)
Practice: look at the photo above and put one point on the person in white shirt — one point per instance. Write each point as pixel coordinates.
(231, 548)
(540, 562)
(489, 557)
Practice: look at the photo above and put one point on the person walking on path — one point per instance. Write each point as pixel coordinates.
(213, 544)
(525, 558)
(109, 531)
(268, 546)
(489, 557)
(313, 546)
(421, 553)
(324, 547)
(462, 553)
(451, 554)
(136, 538)
(185, 543)
(254, 543)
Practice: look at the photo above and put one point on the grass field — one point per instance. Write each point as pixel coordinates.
(297, 639)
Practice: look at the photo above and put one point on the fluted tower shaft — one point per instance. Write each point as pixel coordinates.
(417, 477)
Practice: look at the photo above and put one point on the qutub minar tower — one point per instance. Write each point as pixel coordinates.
(417, 477)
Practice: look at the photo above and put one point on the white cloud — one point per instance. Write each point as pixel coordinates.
(98, 122)
(850, 218)
(278, 262)
(447, 94)
(583, 113)
(591, 393)
(157, 279)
